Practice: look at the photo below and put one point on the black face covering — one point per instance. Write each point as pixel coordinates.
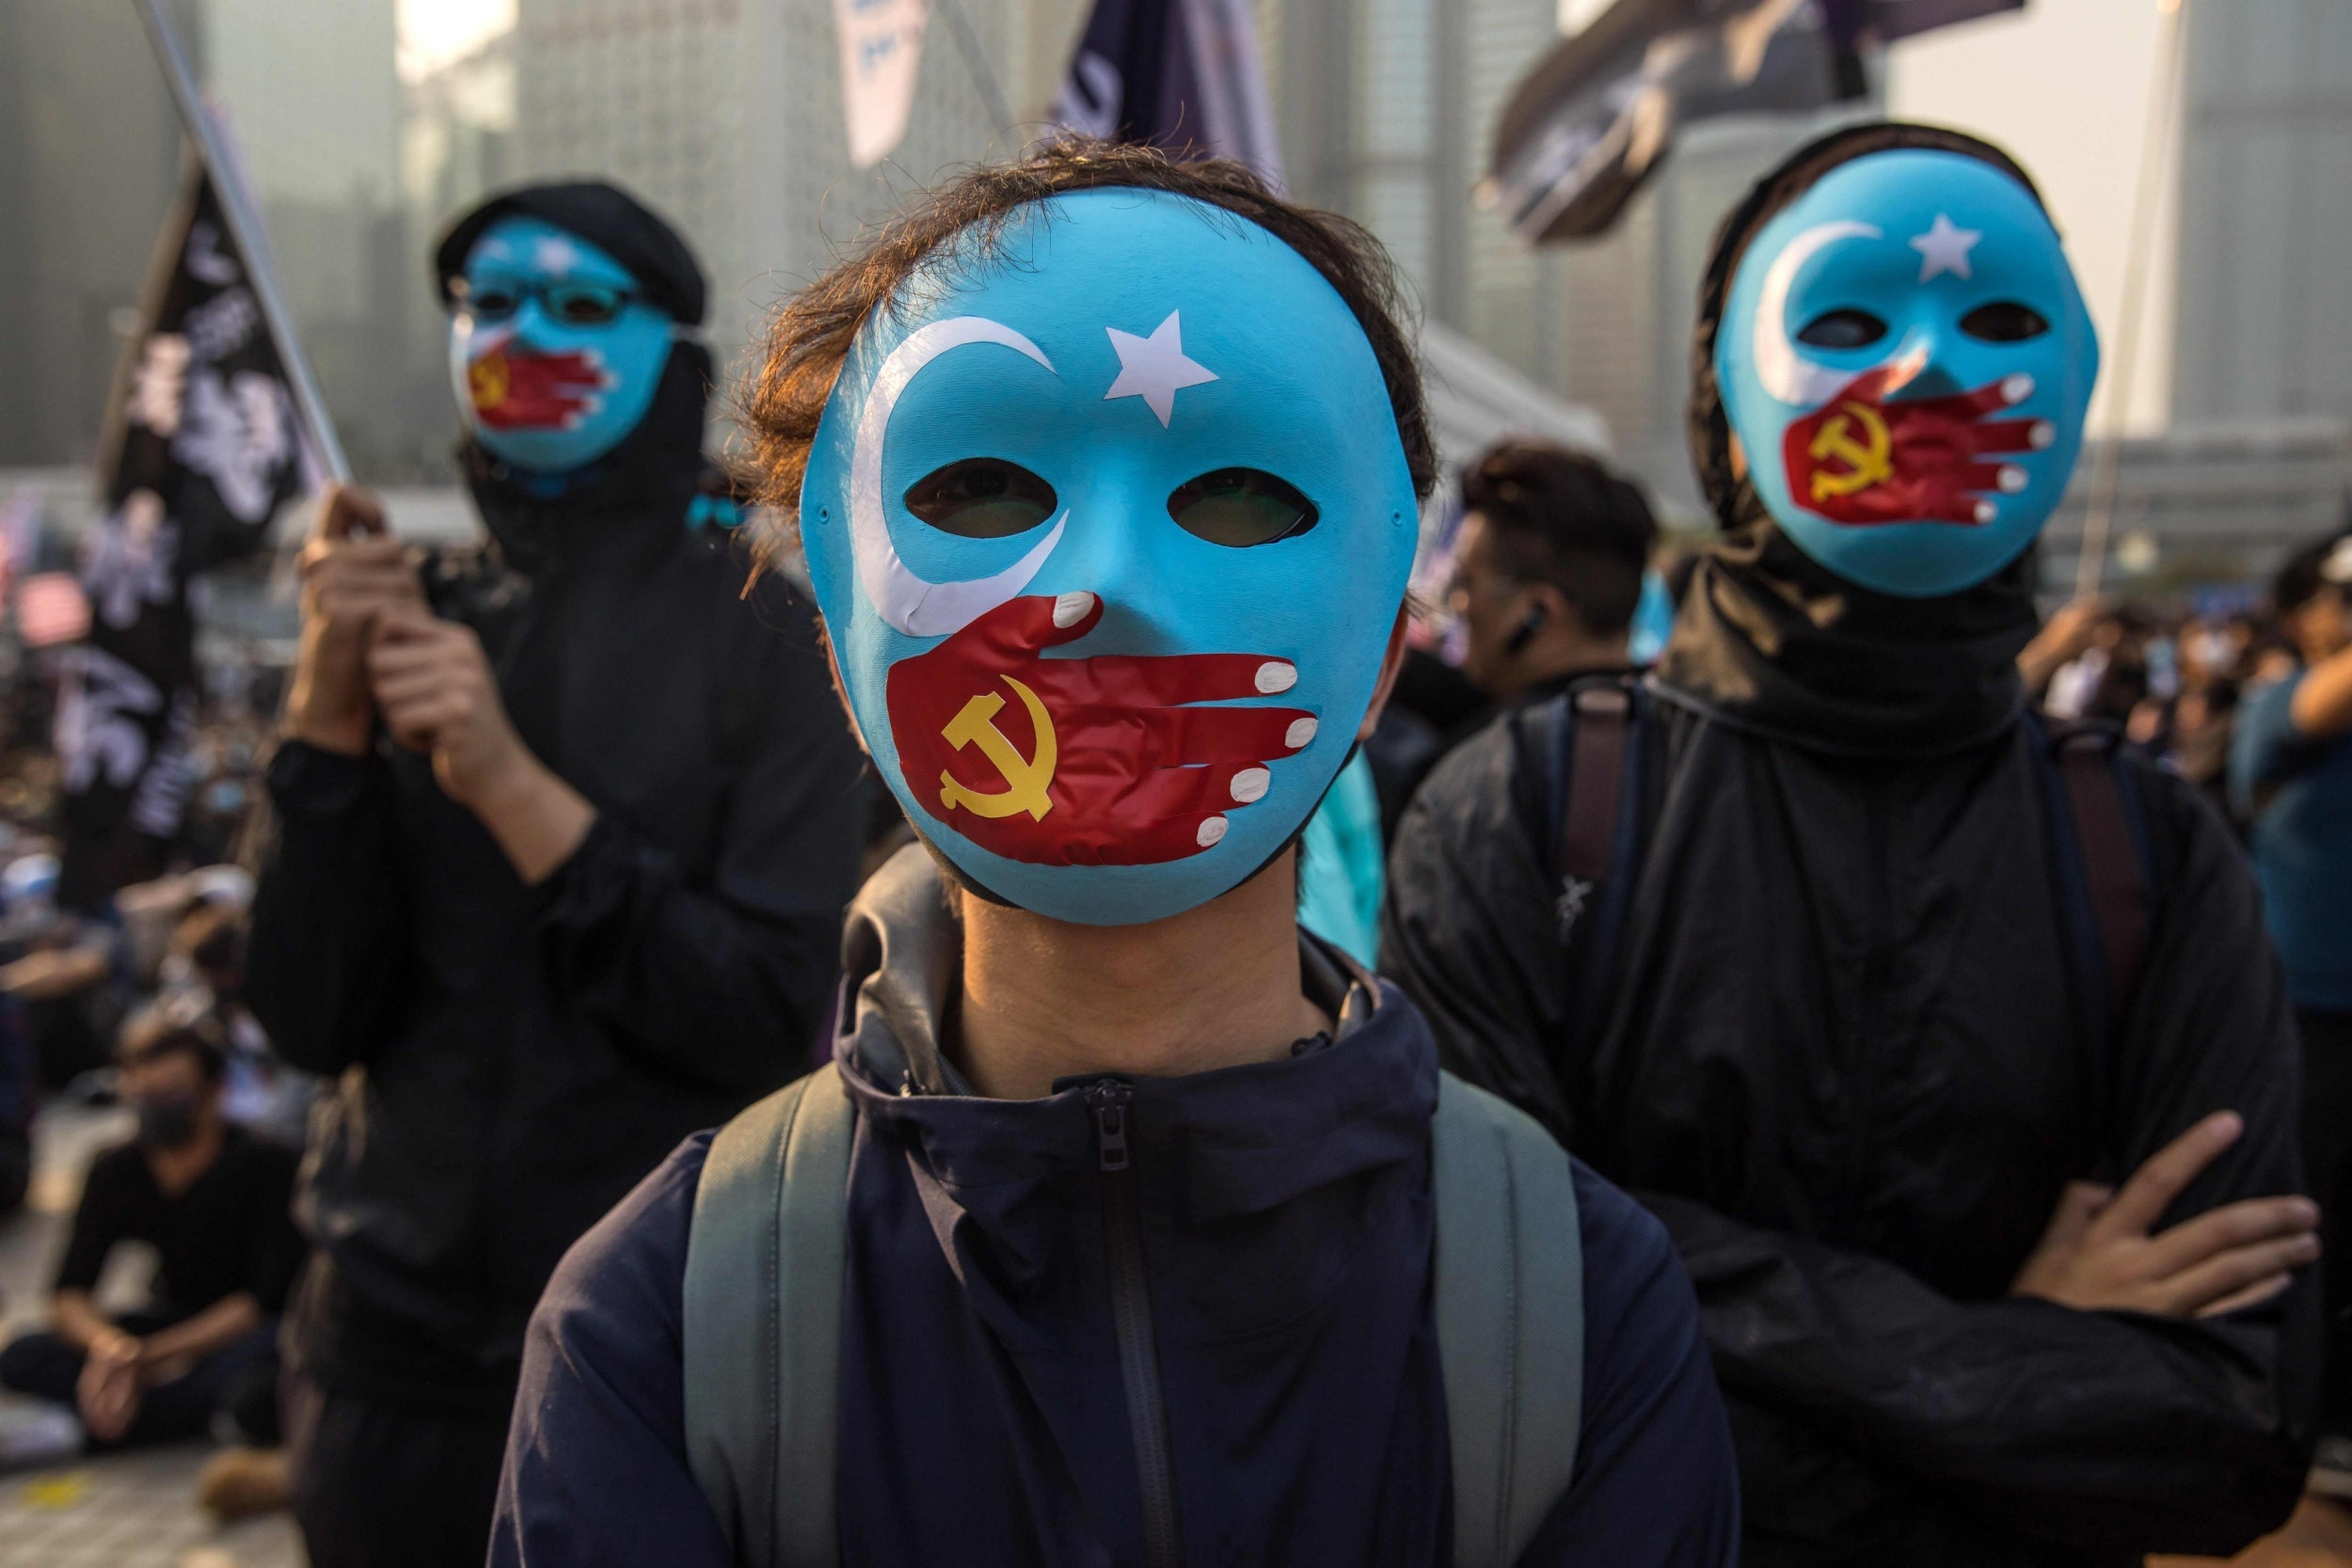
(1770, 640)
(167, 1120)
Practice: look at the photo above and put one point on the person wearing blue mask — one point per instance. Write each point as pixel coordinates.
(1131, 1223)
(563, 833)
(1946, 1042)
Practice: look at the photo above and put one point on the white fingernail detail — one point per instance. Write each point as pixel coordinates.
(1984, 512)
(1250, 785)
(1071, 608)
(1211, 831)
(1277, 676)
(2042, 433)
(2017, 388)
(2012, 477)
(1300, 732)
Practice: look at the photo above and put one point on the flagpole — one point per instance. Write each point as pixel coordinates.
(2106, 471)
(974, 63)
(245, 229)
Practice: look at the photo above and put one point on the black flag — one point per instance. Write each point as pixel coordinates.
(1597, 116)
(201, 450)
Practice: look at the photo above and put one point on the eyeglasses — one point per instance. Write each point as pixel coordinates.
(569, 304)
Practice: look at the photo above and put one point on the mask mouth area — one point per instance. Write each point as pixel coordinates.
(519, 388)
(1866, 459)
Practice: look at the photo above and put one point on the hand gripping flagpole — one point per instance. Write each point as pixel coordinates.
(252, 242)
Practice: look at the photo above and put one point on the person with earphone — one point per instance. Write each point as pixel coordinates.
(1547, 568)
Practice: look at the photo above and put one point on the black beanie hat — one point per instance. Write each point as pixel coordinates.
(606, 217)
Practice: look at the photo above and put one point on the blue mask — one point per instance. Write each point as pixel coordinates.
(1109, 537)
(554, 357)
(1907, 361)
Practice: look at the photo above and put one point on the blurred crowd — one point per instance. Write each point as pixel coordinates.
(2171, 671)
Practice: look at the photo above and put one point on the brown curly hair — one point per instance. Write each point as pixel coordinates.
(810, 335)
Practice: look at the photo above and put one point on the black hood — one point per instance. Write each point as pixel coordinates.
(606, 217)
(1769, 640)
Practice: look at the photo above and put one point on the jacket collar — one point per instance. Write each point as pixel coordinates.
(1209, 1146)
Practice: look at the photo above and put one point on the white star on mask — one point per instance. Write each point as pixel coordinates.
(1154, 368)
(555, 254)
(1944, 247)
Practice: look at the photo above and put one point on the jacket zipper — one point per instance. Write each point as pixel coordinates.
(1131, 1316)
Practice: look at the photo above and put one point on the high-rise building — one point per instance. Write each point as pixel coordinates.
(89, 150)
(1388, 109)
(725, 115)
(2263, 298)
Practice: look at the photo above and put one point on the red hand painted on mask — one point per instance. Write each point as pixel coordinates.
(535, 392)
(1861, 461)
(1085, 761)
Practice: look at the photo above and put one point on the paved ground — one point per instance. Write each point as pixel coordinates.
(125, 1510)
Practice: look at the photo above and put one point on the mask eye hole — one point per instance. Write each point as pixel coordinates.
(1842, 330)
(982, 498)
(585, 304)
(2004, 321)
(489, 302)
(1240, 506)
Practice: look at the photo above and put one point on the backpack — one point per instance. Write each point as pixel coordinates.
(762, 1310)
(2099, 849)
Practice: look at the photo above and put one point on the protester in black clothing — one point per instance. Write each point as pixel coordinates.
(214, 1203)
(563, 830)
(1990, 1279)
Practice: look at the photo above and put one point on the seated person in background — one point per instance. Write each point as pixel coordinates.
(215, 1205)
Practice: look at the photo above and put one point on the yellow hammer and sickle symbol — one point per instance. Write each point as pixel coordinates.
(1026, 778)
(487, 380)
(1867, 460)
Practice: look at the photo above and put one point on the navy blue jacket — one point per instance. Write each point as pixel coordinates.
(1287, 1222)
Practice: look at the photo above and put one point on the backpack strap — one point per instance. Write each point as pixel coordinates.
(762, 1339)
(2107, 875)
(2114, 864)
(1601, 721)
(1598, 815)
(762, 1322)
(1510, 1310)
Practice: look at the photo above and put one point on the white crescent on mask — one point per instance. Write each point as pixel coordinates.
(1784, 373)
(906, 602)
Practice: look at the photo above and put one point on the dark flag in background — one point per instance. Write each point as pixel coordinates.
(201, 450)
(1182, 74)
(1597, 116)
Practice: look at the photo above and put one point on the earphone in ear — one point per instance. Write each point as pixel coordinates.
(1524, 633)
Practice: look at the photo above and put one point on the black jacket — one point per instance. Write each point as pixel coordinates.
(1286, 1226)
(513, 1059)
(1840, 1059)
